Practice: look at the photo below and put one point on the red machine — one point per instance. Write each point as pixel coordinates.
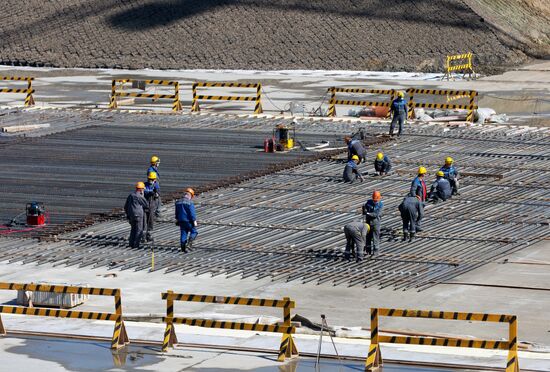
(36, 214)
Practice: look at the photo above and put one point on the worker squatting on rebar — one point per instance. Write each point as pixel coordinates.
(372, 210)
(136, 208)
(451, 174)
(351, 171)
(441, 189)
(356, 235)
(382, 164)
(152, 195)
(186, 219)
(399, 112)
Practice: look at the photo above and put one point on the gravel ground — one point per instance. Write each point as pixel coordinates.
(247, 34)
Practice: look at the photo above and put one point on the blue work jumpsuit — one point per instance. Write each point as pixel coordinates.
(382, 166)
(373, 212)
(399, 111)
(451, 174)
(186, 218)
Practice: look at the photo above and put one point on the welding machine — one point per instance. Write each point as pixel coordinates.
(285, 135)
(36, 214)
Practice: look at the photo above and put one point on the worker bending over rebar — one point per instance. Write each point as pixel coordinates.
(356, 235)
(356, 148)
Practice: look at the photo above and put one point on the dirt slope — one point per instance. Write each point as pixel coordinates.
(247, 34)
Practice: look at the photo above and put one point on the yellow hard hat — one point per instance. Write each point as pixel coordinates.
(380, 156)
(155, 159)
(190, 191)
(449, 160)
(422, 170)
(152, 176)
(140, 185)
(400, 94)
(355, 157)
(440, 174)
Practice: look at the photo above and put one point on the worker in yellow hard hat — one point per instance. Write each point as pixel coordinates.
(399, 111)
(372, 210)
(441, 188)
(152, 195)
(154, 167)
(136, 208)
(186, 219)
(382, 164)
(451, 174)
(418, 186)
(351, 171)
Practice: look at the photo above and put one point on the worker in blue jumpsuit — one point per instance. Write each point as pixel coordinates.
(136, 208)
(451, 174)
(399, 111)
(154, 167)
(441, 189)
(382, 164)
(355, 147)
(186, 218)
(351, 171)
(418, 186)
(152, 195)
(372, 210)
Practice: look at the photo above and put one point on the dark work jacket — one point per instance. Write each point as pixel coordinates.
(383, 165)
(135, 206)
(412, 207)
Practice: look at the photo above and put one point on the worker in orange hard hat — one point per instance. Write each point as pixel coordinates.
(186, 219)
(372, 210)
(136, 207)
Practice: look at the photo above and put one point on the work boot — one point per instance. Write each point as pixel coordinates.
(346, 256)
(148, 237)
(405, 236)
(183, 247)
(190, 245)
(411, 238)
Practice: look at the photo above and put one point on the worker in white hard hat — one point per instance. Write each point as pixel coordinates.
(399, 111)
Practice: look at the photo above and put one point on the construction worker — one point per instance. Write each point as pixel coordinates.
(154, 167)
(373, 212)
(186, 218)
(451, 174)
(398, 109)
(418, 186)
(351, 172)
(441, 188)
(412, 212)
(356, 235)
(355, 147)
(382, 164)
(152, 195)
(136, 207)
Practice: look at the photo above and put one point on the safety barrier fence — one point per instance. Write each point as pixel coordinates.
(287, 348)
(470, 94)
(333, 101)
(257, 98)
(29, 100)
(459, 62)
(119, 83)
(374, 357)
(120, 337)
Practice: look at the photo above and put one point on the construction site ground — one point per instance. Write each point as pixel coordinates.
(501, 251)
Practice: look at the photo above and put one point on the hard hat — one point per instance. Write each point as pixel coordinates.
(380, 156)
(155, 159)
(400, 94)
(440, 174)
(152, 176)
(376, 196)
(190, 191)
(355, 157)
(422, 170)
(140, 185)
(448, 160)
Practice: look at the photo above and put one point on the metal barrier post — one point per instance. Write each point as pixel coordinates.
(471, 106)
(374, 358)
(177, 103)
(195, 103)
(410, 113)
(170, 337)
(120, 337)
(332, 102)
(258, 108)
(512, 361)
(29, 100)
(288, 347)
(112, 101)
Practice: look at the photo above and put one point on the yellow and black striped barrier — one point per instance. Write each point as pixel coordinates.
(469, 94)
(29, 99)
(119, 83)
(120, 337)
(464, 64)
(287, 348)
(374, 357)
(257, 98)
(333, 101)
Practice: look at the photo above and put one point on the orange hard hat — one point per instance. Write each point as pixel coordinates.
(140, 186)
(190, 191)
(376, 196)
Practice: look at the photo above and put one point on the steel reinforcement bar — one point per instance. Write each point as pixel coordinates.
(374, 357)
(257, 98)
(120, 337)
(287, 348)
(176, 105)
(29, 100)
